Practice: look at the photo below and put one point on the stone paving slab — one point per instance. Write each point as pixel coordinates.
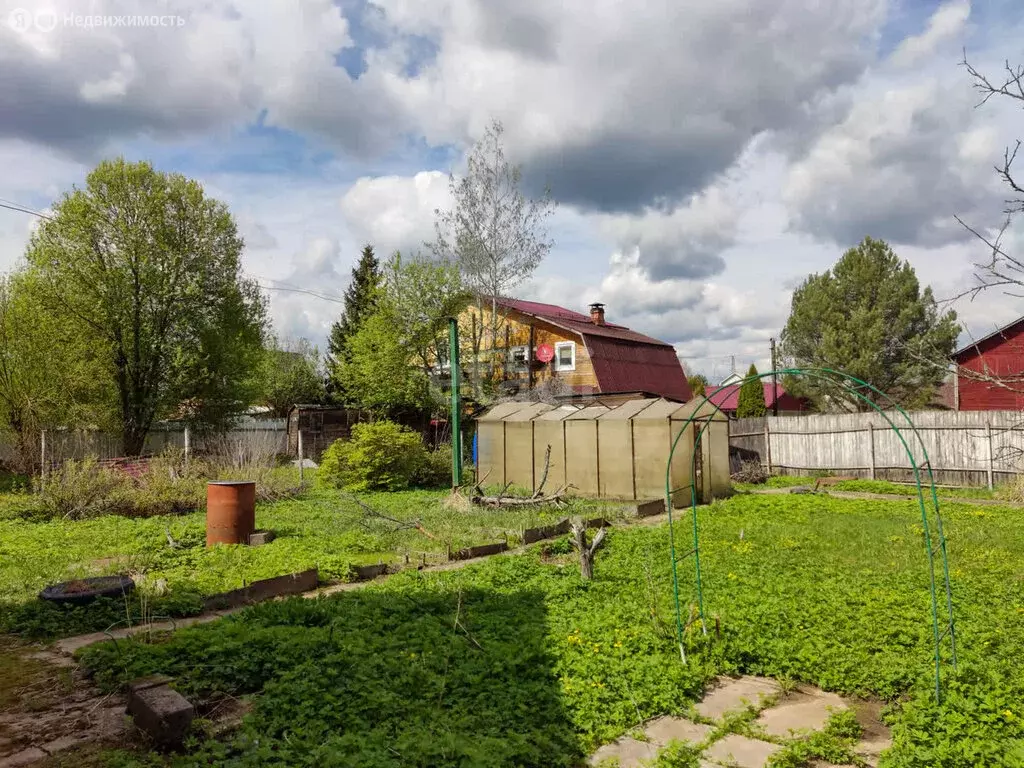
(730, 694)
(742, 751)
(794, 715)
(666, 729)
(800, 712)
(630, 752)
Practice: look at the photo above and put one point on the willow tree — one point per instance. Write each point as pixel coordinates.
(147, 271)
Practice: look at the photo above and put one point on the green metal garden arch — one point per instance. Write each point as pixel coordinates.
(928, 522)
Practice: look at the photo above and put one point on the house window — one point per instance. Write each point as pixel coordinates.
(565, 356)
(519, 358)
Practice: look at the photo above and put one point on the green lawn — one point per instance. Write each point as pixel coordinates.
(516, 662)
(324, 529)
(870, 486)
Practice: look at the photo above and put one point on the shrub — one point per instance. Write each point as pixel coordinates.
(380, 456)
(165, 486)
(80, 489)
(436, 470)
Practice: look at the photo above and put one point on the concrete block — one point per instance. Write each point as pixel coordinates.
(162, 713)
(259, 538)
(149, 681)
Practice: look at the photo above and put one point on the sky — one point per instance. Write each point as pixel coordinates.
(706, 155)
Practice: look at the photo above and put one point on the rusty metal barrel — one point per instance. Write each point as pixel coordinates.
(230, 511)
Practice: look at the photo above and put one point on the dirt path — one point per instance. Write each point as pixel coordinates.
(48, 706)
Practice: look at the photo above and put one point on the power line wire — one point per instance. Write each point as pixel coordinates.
(10, 205)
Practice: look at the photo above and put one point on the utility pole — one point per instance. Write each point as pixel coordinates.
(775, 380)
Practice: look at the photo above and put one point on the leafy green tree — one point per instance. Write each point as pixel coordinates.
(379, 372)
(48, 375)
(422, 294)
(389, 364)
(291, 374)
(868, 317)
(698, 384)
(146, 269)
(360, 298)
(751, 400)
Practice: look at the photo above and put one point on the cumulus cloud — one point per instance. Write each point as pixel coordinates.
(395, 213)
(945, 24)
(899, 166)
(682, 243)
(617, 106)
(80, 87)
(297, 314)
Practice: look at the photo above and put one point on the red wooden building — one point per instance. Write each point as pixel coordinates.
(1000, 355)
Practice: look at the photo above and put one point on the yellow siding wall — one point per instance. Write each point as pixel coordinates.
(519, 335)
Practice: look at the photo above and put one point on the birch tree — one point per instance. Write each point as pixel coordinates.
(494, 233)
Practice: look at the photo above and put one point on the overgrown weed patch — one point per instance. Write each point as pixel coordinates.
(516, 662)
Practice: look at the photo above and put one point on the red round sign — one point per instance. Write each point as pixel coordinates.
(545, 353)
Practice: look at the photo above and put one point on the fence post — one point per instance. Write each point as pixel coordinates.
(302, 458)
(188, 447)
(871, 437)
(991, 457)
(42, 459)
(767, 447)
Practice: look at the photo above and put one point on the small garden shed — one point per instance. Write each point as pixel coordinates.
(606, 452)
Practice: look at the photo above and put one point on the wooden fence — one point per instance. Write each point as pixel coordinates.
(964, 447)
(248, 438)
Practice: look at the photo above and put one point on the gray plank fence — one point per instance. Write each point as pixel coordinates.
(964, 448)
(247, 438)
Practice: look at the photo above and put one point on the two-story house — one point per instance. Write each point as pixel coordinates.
(538, 342)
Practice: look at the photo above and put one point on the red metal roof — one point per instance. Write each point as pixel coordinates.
(577, 322)
(728, 397)
(623, 359)
(622, 365)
